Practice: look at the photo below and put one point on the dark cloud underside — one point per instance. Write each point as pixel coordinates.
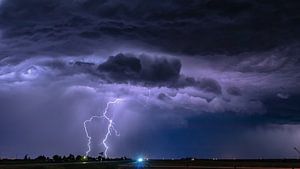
(188, 27)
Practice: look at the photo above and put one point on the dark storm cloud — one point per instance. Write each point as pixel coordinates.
(209, 85)
(235, 91)
(122, 67)
(193, 27)
(130, 68)
(277, 60)
(152, 71)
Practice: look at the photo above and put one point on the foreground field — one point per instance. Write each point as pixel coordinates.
(215, 164)
(164, 164)
(75, 165)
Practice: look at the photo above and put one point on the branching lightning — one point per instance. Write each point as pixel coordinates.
(87, 134)
(110, 128)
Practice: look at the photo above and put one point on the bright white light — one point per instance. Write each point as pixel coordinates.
(140, 160)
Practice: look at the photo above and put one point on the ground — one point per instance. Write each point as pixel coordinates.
(164, 164)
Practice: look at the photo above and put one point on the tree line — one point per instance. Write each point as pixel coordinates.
(63, 159)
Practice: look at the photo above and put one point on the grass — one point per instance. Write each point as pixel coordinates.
(76, 165)
(183, 163)
(229, 163)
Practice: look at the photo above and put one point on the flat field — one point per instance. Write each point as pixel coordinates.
(163, 164)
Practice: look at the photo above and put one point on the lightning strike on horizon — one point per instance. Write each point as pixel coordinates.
(110, 128)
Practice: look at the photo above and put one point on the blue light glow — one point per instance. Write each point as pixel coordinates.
(140, 160)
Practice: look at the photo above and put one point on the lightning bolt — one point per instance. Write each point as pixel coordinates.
(110, 128)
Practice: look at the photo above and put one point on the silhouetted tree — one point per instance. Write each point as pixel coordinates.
(78, 158)
(64, 159)
(57, 158)
(26, 157)
(71, 157)
(100, 158)
(41, 158)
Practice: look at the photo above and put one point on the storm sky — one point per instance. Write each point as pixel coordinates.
(203, 78)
